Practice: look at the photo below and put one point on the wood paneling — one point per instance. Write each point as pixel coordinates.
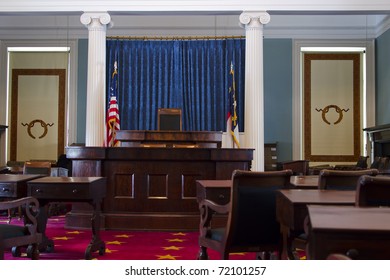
(153, 188)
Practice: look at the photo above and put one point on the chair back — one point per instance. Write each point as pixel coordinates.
(362, 162)
(342, 179)
(373, 191)
(37, 167)
(298, 167)
(169, 119)
(252, 220)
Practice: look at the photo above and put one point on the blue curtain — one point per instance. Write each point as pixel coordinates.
(189, 74)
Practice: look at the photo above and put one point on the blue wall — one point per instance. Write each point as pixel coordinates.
(277, 94)
(382, 65)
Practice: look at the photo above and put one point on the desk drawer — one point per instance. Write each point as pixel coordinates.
(219, 196)
(7, 190)
(73, 192)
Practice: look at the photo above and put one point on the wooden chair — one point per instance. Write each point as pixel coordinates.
(373, 191)
(342, 179)
(1, 247)
(25, 235)
(251, 224)
(298, 167)
(360, 164)
(37, 167)
(169, 119)
(338, 257)
(382, 164)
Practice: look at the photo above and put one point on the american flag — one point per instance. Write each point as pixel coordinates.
(232, 117)
(113, 120)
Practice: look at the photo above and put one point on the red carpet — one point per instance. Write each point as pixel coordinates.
(123, 245)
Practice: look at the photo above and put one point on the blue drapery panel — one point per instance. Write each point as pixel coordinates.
(189, 74)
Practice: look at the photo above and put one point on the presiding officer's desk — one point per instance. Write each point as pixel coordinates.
(153, 187)
(198, 139)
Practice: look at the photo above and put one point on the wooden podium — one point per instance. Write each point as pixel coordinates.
(152, 188)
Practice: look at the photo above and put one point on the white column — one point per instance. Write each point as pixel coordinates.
(96, 80)
(254, 86)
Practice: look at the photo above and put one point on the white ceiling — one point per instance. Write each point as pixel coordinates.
(314, 19)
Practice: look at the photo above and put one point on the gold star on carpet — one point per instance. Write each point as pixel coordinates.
(62, 238)
(175, 240)
(123, 236)
(73, 232)
(172, 248)
(166, 257)
(179, 234)
(109, 251)
(114, 242)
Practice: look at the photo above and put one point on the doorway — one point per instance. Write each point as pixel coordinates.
(37, 90)
(333, 99)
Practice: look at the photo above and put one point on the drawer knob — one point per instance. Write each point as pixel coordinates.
(5, 190)
(74, 191)
(38, 191)
(221, 196)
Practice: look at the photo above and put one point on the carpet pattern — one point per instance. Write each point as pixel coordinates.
(122, 245)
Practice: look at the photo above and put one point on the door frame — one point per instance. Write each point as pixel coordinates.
(61, 73)
(368, 101)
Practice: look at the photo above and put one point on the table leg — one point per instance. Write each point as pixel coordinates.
(96, 243)
(47, 245)
(288, 251)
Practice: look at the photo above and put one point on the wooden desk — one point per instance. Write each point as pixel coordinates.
(304, 182)
(335, 229)
(291, 210)
(214, 190)
(137, 138)
(217, 191)
(70, 189)
(152, 188)
(15, 185)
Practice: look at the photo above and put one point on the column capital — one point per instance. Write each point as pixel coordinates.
(96, 20)
(254, 19)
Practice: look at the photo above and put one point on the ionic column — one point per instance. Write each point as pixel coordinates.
(254, 86)
(96, 80)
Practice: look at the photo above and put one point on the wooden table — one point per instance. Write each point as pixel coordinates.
(214, 190)
(291, 210)
(70, 189)
(336, 229)
(15, 185)
(217, 191)
(304, 181)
